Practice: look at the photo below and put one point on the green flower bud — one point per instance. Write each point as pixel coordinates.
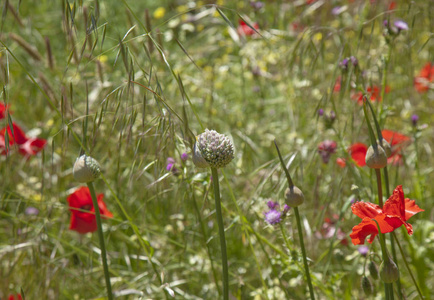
(376, 158)
(389, 271)
(86, 169)
(373, 270)
(367, 286)
(294, 196)
(212, 149)
(386, 147)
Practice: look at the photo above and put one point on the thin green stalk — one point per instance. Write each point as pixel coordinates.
(408, 267)
(380, 188)
(101, 241)
(218, 210)
(303, 251)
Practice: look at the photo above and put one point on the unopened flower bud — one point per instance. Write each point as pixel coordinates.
(376, 158)
(212, 149)
(373, 270)
(389, 271)
(86, 169)
(367, 286)
(294, 196)
(386, 147)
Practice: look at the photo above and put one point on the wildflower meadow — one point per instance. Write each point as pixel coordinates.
(182, 149)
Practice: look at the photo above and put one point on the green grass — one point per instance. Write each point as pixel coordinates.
(132, 102)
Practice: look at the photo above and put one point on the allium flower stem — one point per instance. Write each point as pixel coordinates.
(407, 266)
(379, 187)
(219, 216)
(101, 241)
(303, 251)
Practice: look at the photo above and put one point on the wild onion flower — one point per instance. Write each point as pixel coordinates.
(376, 157)
(86, 169)
(389, 272)
(212, 149)
(395, 213)
(326, 149)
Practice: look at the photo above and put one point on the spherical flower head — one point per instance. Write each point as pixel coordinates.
(273, 216)
(86, 169)
(376, 158)
(294, 196)
(386, 147)
(212, 149)
(389, 272)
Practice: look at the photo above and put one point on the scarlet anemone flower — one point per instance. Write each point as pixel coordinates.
(27, 146)
(245, 30)
(426, 75)
(3, 109)
(397, 142)
(374, 91)
(83, 213)
(395, 212)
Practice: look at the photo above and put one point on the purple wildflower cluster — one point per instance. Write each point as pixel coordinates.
(171, 163)
(326, 149)
(274, 216)
(345, 62)
(392, 30)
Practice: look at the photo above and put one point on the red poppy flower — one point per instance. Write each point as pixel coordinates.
(79, 203)
(397, 141)
(395, 212)
(357, 152)
(246, 30)
(426, 75)
(15, 297)
(3, 109)
(27, 146)
(374, 91)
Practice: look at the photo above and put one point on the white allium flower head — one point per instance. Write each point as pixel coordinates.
(212, 149)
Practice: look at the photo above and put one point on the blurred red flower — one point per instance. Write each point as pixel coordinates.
(357, 152)
(27, 146)
(245, 30)
(426, 75)
(337, 87)
(374, 91)
(397, 142)
(83, 218)
(3, 109)
(15, 297)
(395, 212)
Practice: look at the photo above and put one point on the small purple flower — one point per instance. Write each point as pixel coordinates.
(286, 208)
(257, 4)
(273, 216)
(184, 156)
(386, 23)
(170, 165)
(332, 115)
(170, 160)
(326, 149)
(354, 61)
(337, 10)
(344, 64)
(272, 204)
(414, 119)
(31, 211)
(400, 25)
(320, 112)
(363, 250)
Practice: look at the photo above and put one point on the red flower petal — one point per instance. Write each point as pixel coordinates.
(394, 138)
(3, 109)
(83, 221)
(366, 210)
(341, 162)
(32, 146)
(426, 75)
(358, 153)
(18, 137)
(369, 227)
